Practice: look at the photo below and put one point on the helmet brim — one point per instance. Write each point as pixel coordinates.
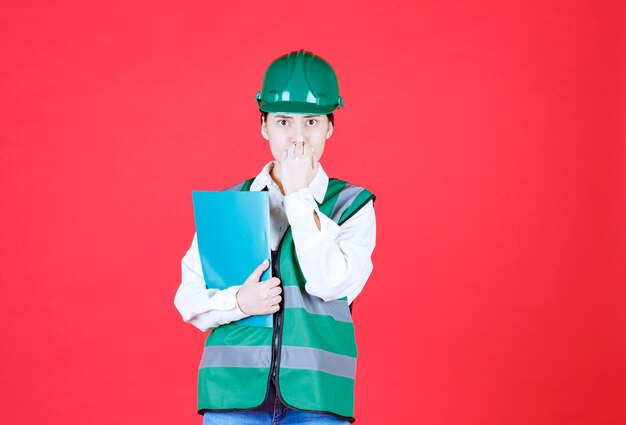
(296, 108)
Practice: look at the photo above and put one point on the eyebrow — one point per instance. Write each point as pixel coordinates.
(305, 116)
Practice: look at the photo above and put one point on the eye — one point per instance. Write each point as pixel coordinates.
(282, 123)
(311, 122)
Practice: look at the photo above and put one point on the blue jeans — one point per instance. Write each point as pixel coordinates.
(271, 412)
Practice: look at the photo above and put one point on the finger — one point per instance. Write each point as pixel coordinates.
(271, 282)
(307, 155)
(276, 300)
(314, 159)
(256, 274)
(298, 148)
(273, 309)
(274, 292)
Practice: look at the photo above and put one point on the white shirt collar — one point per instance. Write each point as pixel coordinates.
(318, 185)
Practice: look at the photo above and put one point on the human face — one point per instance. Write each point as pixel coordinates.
(288, 131)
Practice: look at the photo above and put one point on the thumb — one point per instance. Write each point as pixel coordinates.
(256, 274)
(314, 160)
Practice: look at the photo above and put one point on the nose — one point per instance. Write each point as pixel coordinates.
(298, 136)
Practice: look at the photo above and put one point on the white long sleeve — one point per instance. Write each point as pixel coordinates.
(204, 308)
(335, 260)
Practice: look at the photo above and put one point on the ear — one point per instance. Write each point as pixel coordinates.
(264, 130)
(330, 130)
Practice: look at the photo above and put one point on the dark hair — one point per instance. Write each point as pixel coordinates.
(331, 117)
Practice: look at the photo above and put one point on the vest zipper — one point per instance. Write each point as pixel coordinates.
(277, 339)
(277, 334)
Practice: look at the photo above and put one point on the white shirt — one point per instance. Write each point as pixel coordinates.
(335, 260)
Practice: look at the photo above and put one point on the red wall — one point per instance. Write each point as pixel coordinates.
(492, 133)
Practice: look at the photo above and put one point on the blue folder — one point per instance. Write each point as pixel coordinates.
(233, 231)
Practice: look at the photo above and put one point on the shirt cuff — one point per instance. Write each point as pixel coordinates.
(226, 300)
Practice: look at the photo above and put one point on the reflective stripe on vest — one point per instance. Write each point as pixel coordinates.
(347, 195)
(291, 357)
(295, 298)
(236, 356)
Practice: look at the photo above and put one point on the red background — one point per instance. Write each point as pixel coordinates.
(492, 132)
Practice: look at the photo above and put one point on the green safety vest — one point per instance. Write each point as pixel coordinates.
(310, 353)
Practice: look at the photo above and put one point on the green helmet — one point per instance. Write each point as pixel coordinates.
(299, 82)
